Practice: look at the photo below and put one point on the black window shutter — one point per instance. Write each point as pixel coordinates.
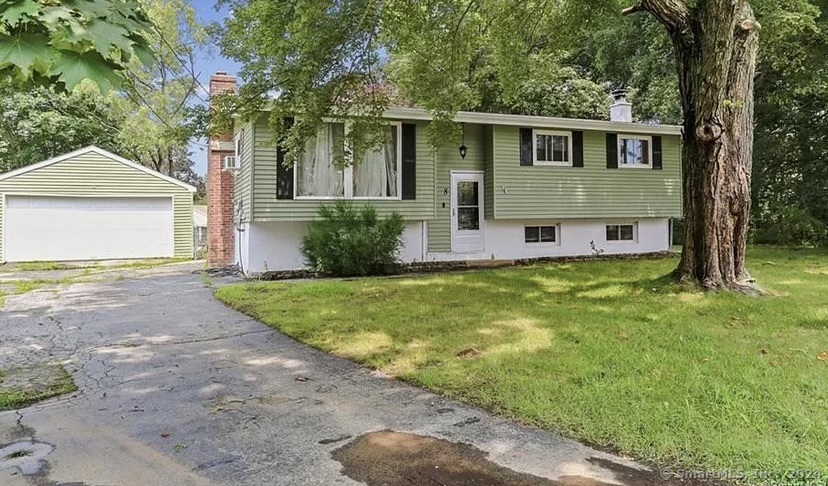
(284, 175)
(658, 162)
(612, 151)
(577, 149)
(409, 161)
(526, 144)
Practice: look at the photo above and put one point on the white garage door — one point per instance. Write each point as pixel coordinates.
(87, 228)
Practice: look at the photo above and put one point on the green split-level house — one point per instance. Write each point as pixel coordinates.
(523, 187)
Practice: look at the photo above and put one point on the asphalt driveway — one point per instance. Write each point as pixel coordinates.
(175, 388)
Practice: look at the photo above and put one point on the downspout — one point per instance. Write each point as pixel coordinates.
(424, 242)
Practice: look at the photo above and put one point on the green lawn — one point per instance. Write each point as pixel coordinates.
(611, 353)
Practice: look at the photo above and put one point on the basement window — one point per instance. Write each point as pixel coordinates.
(541, 234)
(621, 232)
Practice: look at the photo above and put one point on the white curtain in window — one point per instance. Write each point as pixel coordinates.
(318, 175)
(635, 151)
(376, 174)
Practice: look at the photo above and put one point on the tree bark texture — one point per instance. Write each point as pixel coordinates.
(716, 45)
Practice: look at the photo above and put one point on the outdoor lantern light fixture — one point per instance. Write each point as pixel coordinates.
(463, 148)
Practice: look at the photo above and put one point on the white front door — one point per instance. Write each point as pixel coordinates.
(87, 228)
(467, 225)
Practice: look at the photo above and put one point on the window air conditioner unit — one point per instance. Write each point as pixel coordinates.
(231, 162)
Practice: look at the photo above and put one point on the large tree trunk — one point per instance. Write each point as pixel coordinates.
(716, 45)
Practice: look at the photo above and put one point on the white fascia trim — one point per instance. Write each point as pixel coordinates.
(101, 152)
(537, 121)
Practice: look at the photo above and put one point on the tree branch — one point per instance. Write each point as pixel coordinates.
(674, 14)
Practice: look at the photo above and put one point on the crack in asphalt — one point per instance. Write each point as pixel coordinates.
(85, 360)
(125, 345)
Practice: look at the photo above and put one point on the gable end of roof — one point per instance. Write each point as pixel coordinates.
(101, 152)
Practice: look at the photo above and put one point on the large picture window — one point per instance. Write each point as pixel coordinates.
(553, 148)
(375, 176)
(634, 151)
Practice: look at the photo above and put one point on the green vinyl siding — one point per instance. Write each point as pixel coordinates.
(267, 208)
(448, 160)
(183, 224)
(243, 182)
(92, 174)
(592, 191)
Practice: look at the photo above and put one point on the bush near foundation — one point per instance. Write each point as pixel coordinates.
(346, 240)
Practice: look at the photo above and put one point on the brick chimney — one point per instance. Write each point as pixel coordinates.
(220, 230)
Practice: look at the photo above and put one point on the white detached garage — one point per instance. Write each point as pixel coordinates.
(93, 205)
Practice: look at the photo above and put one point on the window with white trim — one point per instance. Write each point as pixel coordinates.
(375, 176)
(634, 151)
(621, 232)
(552, 148)
(540, 234)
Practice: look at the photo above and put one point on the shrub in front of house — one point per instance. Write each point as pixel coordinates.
(347, 240)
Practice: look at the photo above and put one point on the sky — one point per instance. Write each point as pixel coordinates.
(208, 61)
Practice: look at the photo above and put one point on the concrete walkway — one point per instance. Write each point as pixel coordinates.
(175, 388)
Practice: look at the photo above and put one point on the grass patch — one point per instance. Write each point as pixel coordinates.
(611, 353)
(44, 266)
(144, 264)
(90, 267)
(25, 286)
(25, 386)
(18, 287)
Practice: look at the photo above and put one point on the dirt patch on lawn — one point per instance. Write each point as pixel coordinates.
(387, 457)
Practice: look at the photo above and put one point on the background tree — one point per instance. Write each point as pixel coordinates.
(37, 123)
(60, 44)
(158, 98)
(150, 118)
(789, 175)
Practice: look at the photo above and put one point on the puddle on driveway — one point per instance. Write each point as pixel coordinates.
(387, 457)
(27, 456)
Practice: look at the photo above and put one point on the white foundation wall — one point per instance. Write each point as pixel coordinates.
(505, 239)
(241, 244)
(275, 246)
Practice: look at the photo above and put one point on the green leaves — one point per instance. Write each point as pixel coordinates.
(23, 51)
(16, 11)
(73, 67)
(105, 36)
(67, 42)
